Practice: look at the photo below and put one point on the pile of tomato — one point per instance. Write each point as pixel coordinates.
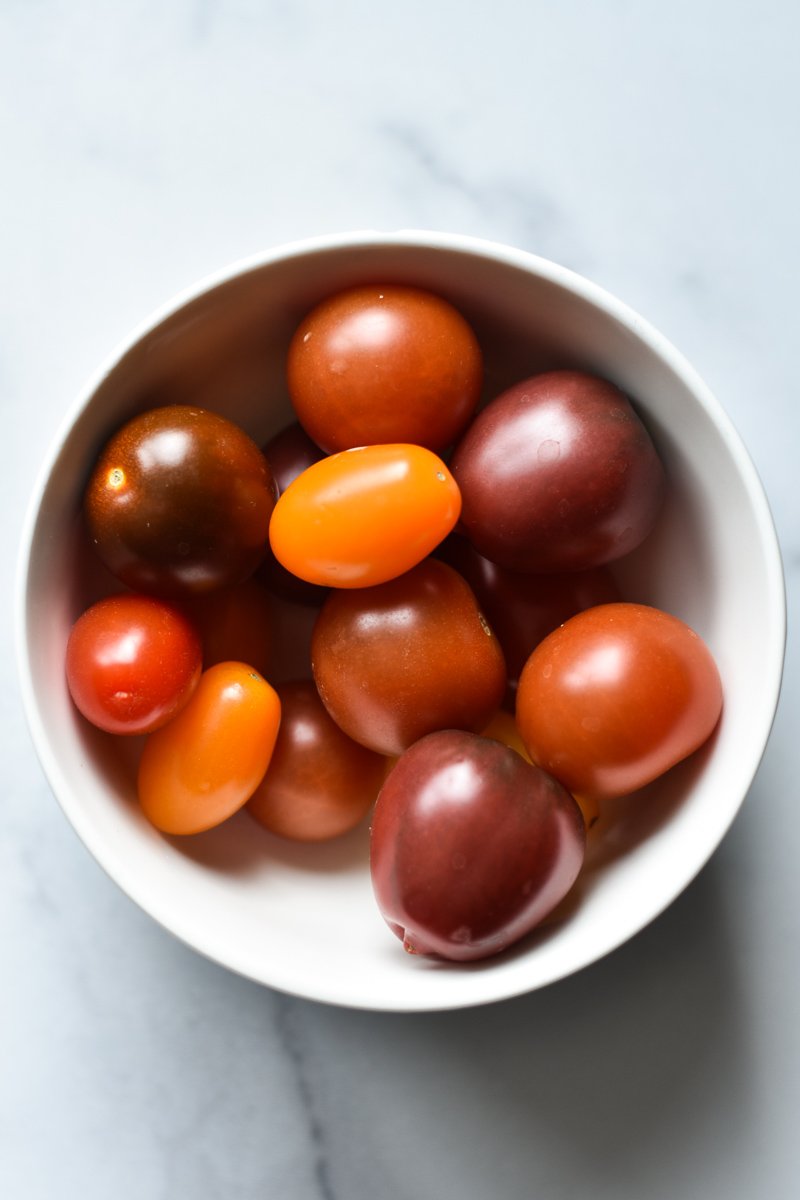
(474, 679)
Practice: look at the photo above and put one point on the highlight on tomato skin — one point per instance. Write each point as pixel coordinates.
(364, 516)
(204, 766)
(617, 696)
(132, 662)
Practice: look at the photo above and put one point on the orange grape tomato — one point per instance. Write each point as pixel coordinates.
(615, 697)
(204, 765)
(364, 516)
(235, 624)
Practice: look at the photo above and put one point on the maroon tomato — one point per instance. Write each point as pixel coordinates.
(615, 697)
(180, 502)
(380, 364)
(398, 660)
(558, 474)
(320, 783)
(471, 846)
(132, 663)
(523, 609)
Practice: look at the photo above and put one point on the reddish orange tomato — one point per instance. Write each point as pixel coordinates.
(364, 516)
(320, 783)
(615, 697)
(384, 364)
(204, 765)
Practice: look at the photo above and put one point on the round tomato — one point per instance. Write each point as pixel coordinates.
(205, 764)
(384, 364)
(558, 474)
(179, 502)
(364, 516)
(320, 783)
(132, 662)
(471, 846)
(404, 658)
(616, 696)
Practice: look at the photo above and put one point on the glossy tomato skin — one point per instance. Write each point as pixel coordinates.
(320, 784)
(404, 658)
(558, 474)
(288, 454)
(522, 608)
(615, 697)
(235, 624)
(132, 662)
(179, 502)
(471, 846)
(384, 364)
(364, 516)
(205, 764)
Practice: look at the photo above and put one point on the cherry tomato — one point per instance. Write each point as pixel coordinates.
(179, 502)
(523, 609)
(615, 697)
(288, 453)
(403, 658)
(471, 846)
(320, 783)
(378, 364)
(235, 624)
(558, 474)
(204, 765)
(132, 663)
(364, 516)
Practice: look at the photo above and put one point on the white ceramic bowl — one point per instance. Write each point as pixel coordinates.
(303, 920)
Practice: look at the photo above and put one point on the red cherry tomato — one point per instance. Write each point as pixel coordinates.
(320, 783)
(364, 516)
(132, 663)
(616, 696)
(384, 364)
(204, 765)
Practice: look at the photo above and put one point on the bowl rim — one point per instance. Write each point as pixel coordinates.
(478, 247)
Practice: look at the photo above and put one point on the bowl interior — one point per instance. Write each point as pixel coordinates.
(303, 919)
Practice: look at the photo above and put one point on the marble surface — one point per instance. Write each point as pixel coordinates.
(650, 147)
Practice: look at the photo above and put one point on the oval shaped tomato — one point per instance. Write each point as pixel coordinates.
(390, 363)
(407, 657)
(615, 697)
(319, 783)
(179, 502)
(471, 846)
(132, 663)
(204, 765)
(364, 516)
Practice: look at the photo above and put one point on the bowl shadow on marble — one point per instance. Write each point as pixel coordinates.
(611, 1077)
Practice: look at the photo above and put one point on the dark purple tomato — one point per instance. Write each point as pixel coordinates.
(289, 453)
(471, 846)
(179, 502)
(558, 474)
(397, 660)
(381, 364)
(320, 783)
(523, 609)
